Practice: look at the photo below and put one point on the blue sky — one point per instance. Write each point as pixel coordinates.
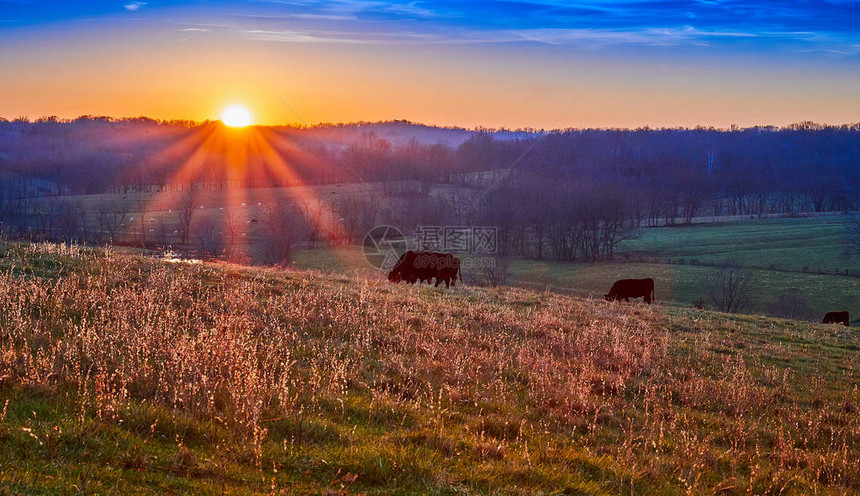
(830, 26)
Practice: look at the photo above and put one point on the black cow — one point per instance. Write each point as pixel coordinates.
(404, 269)
(423, 266)
(632, 288)
(442, 266)
(422, 270)
(835, 318)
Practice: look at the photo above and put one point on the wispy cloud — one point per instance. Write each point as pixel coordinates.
(295, 36)
(297, 16)
(766, 24)
(134, 6)
(355, 37)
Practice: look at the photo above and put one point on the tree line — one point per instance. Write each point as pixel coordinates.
(568, 195)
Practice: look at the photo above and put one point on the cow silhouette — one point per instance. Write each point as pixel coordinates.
(424, 266)
(404, 269)
(632, 288)
(835, 318)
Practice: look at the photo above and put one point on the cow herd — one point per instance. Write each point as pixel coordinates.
(424, 266)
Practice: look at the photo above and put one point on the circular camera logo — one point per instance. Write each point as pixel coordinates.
(383, 246)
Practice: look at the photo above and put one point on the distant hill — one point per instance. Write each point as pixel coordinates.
(402, 132)
(398, 133)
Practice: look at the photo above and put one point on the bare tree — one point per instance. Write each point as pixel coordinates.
(729, 287)
(87, 233)
(495, 272)
(313, 222)
(851, 236)
(232, 222)
(110, 217)
(280, 223)
(185, 209)
(45, 213)
(210, 240)
(66, 221)
(357, 215)
(160, 230)
(142, 208)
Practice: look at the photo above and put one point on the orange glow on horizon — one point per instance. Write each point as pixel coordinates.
(236, 116)
(194, 78)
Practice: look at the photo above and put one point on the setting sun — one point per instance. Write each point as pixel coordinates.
(236, 116)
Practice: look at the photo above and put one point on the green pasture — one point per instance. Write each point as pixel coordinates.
(680, 259)
(783, 244)
(683, 284)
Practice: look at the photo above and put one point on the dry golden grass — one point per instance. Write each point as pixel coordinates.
(300, 374)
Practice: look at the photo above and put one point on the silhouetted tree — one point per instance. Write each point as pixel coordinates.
(110, 217)
(187, 206)
(729, 287)
(280, 223)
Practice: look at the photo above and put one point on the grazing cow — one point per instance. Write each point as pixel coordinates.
(835, 318)
(632, 288)
(444, 267)
(404, 269)
(423, 266)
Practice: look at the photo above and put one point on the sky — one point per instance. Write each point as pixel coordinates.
(516, 64)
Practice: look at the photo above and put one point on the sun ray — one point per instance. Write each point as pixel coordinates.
(323, 216)
(241, 174)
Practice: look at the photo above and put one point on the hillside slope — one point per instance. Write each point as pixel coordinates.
(124, 374)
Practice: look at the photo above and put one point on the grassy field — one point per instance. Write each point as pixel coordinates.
(761, 245)
(776, 250)
(123, 374)
(680, 259)
(783, 244)
(682, 284)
